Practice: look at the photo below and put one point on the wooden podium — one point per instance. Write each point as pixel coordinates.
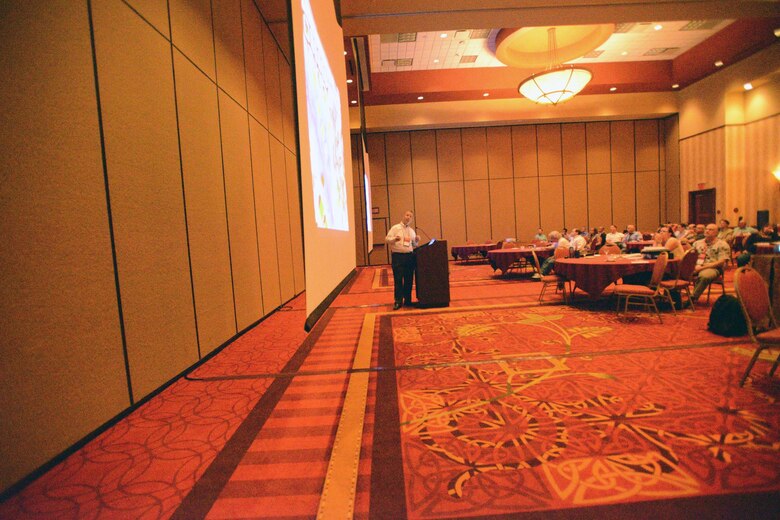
(433, 275)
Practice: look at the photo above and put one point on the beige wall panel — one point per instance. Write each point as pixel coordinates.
(648, 202)
(478, 212)
(266, 219)
(622, 146)
(527, 204)
(398, 156)
(296, 232)
(282, 211)
(670, 180)
(524, 151)
(499, 152)
(273, 94)
(62, 369)
(703, 166)
(502, 208)
(379, 255)
(549, 148)
(192, 32)
(762, 156)
(574, 158)
(142, 157)
(241, 212)
(551, 209)
(155, 12)
(597, 139)
(453, 212)
(449, 154)
(379, 200)
(288, 111)
(647, 145)
(204, 192)
(600, 200)
(427, 214)
(474, 142)
(424, 164)
(229, 46)
(575, 197)
(361, 248)
(255, 64)
(375, 145)
(623, 199)
(401, 199)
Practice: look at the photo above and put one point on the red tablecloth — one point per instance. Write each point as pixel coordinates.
(635, 247)
(465, 251)
(594, 273)
(766, 248)
(502, 259)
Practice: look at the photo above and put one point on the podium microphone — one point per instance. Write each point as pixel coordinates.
(423, 232)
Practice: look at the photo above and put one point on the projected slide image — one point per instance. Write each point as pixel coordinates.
(326, 142)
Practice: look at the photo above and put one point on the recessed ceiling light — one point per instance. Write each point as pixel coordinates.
(676, 85)
(354, 102)
(624, 53)
(436, 61)
(658, 27)
(718, 63)
(486, 94)
(345, 53)
(748, 86)
(777, 32)
(612, 89)
(420, 98)
(349, 80)
(443, 35)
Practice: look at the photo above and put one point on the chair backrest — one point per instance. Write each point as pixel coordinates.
(658, 269)
(509, 245)
(687, 265)
(537, 267)
(561, 252)
(610, 249)
(753, 294)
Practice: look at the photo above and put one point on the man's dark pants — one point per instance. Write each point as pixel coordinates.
(403, 276)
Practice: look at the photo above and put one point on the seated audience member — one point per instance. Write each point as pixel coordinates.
(698, 232)
(766, 235)
(614, 236)
(578, 241)
(725, 233)
(632, 235)
(670, 242)
(540, 236)
(713, 255)
(678, 230)
(559, 241)
(596, 240)
(742, 228)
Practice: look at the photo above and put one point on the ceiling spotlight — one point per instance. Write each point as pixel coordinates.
(420, 98)
(676, 85)
(443, 35)
(349, 80)
(777, 32)
(354, 102)
(612, 89)
(718, 63)
(436, 61)
(658, 27)
(345, 53)
(624, 53)
(748, 86)
(486, 94)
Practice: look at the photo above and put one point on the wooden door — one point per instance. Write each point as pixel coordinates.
(701, 206)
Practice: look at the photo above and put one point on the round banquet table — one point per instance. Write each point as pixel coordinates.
(467, 250)
(502, 259)
(635, 247)
(767, 248)
(593, 274)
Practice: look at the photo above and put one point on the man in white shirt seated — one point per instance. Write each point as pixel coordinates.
(632, 235)
(402, 240)
(578, 241)
(614, 236)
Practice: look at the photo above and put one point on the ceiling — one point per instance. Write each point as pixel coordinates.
(444, 50)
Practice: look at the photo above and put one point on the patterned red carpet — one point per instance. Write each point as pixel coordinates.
(493, 407)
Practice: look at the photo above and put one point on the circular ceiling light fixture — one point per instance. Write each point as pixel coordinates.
(551, 46)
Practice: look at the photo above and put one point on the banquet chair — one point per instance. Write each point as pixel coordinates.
(684, 280)
(717, 281)
(610, 249)
(550, 279)
(647, 294)
(753, 294)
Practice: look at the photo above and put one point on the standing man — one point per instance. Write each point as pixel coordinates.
(402, 240)
(713, 254)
